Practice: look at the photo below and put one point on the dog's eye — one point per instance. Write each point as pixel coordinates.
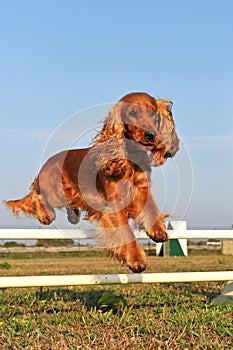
(132, 113)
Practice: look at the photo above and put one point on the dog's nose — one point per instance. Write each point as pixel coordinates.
(150, 135)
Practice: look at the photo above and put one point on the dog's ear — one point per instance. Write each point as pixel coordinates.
(110, 144)
(113, 127)
(164, 107)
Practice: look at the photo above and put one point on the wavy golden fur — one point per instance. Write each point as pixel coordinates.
(110, 181)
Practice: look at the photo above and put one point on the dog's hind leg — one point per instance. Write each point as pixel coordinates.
(73, 215)
(44, 213)
(32, 205)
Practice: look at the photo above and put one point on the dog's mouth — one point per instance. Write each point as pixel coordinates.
(147, 144)
(164, 152)
(152, 143)
(155, 147)
(143, 137)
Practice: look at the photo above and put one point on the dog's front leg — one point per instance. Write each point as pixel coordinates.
(145, 210)
(153, 221)
(116, 234)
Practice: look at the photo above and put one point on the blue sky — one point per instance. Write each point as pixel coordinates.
(61, 57)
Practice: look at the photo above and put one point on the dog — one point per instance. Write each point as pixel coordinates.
(110, 181)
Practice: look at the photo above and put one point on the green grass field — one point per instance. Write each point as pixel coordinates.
(157, 316)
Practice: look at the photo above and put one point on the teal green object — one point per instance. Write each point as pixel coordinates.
(175, 248)
(172, 247)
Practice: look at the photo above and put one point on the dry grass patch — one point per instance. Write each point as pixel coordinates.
(158, 316)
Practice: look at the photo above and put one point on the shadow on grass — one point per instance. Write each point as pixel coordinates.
(176, 294)
(103, 300)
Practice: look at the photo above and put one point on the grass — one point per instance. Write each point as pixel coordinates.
(158, 316)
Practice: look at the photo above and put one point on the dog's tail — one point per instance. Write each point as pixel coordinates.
(25, 205)
(32, 205)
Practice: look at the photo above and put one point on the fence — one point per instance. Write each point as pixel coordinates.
(62, 280)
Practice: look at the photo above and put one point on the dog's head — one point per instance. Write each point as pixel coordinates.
(145, 120)
(149, 122)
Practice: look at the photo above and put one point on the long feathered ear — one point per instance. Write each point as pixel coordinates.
(113, 127)
(109, 145)
(164, 107)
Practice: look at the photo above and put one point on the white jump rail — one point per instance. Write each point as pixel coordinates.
(65, 280)
(145, 278)
(31, 234)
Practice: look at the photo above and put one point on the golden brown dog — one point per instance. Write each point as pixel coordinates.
(110, 181)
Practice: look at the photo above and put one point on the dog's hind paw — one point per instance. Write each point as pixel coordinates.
(73, 215)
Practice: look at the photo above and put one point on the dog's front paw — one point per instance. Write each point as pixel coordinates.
(131, 255)
(158, 231)
(117, 168)
(137, 265)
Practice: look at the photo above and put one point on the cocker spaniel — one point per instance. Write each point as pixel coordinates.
(110, 181)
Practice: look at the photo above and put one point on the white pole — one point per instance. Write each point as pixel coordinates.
(35, 233)
(201, 234)
(29, 234)
(58, 280)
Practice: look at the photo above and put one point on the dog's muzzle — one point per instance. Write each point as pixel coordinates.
(150, 135)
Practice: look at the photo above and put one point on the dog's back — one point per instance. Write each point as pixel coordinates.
(47, 190)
